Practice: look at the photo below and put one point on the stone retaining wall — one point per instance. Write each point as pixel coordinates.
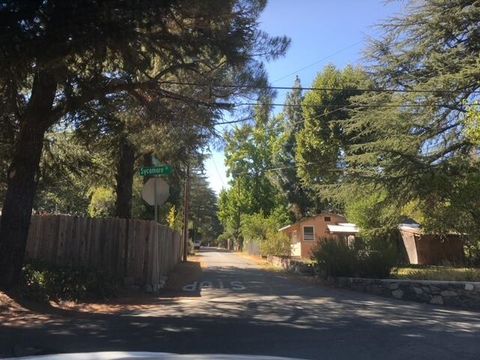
(451, 293)
(292, 265)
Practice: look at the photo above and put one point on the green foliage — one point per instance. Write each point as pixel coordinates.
(102, 203)
(248, 156)
(276, 244)
(68, 171)
(335, 258)
(472, 123)
(284, 150)
(472, 251)
(256, 228)
(322, 142)
(42, 282)
(231, 205)
(263, 232)
(175, 219)
(204, 209)
(118, 58)
(375, 260)
(419, 147)
(373, 212)
(222, 239)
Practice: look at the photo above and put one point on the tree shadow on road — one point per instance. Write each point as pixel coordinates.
(272, 315)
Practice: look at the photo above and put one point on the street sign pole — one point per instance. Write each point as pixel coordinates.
(155, 275)
(185, 215)
(155, 197)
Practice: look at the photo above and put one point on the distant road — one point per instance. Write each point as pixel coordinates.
(238, 308)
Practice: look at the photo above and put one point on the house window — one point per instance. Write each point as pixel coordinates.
(327, 218)
(308, 233)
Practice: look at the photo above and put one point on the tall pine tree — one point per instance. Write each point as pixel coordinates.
(284, 155)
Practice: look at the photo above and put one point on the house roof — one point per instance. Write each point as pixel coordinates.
(410, 227)
(344, 228)
(307, 218)
(285, 227)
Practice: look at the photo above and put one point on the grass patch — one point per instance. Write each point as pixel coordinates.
(442, 273)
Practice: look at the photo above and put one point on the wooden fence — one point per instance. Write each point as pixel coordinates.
(138, 251)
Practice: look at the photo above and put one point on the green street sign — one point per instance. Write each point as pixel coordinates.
(162, 170)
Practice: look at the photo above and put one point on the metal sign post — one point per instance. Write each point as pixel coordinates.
(155, 192)
(185, 213)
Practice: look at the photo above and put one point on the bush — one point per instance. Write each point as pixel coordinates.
(374, 264)
(261, 232)
(335, 258)
(102, 203)
(276, 244)
(472, 252)
(42, 282)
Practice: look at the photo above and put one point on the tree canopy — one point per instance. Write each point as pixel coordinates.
(63, 61)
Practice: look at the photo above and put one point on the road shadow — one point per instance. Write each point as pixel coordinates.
(273, 314)
(128, 300)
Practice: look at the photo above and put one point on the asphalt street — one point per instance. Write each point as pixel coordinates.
(237, 307)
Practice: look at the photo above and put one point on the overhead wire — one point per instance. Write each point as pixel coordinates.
(339, 108)
(318, 61)
(313, 88)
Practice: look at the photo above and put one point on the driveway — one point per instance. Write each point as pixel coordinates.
(236, 307)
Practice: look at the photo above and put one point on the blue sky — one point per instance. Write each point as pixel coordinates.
(322, 32)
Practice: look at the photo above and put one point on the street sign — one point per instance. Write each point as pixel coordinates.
(158, 188)
(156, 170)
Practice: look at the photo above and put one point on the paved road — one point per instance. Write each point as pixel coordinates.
(238, 308)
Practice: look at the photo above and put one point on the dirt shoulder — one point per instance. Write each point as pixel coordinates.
(15, 311)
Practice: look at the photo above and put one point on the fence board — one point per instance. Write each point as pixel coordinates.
(120, 247)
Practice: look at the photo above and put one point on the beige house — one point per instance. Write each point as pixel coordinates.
(305, 233)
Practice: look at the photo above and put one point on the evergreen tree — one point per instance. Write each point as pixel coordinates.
(322, 143)
(413, 143)
(284, 154)
(204, 209)
(58, 57)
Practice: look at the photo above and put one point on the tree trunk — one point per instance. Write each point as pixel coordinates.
(22, 178)
(125, 172)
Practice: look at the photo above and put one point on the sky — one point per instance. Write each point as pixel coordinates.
(322, 32)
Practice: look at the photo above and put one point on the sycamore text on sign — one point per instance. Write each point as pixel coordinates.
(156, 170)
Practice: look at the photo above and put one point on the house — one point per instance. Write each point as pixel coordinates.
(305, 233)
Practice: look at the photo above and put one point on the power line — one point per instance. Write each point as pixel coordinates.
(318, 61)
(218, 172)
(339, 108)
(359, 90)
(343, 105)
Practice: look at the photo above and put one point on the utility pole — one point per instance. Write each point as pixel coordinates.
(186, 202)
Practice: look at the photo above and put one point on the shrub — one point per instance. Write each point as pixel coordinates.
(375, 264)
(472, 252)
(261, 232)
(102, 202)
(42, 282)
(335, 258)
(276, 244)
